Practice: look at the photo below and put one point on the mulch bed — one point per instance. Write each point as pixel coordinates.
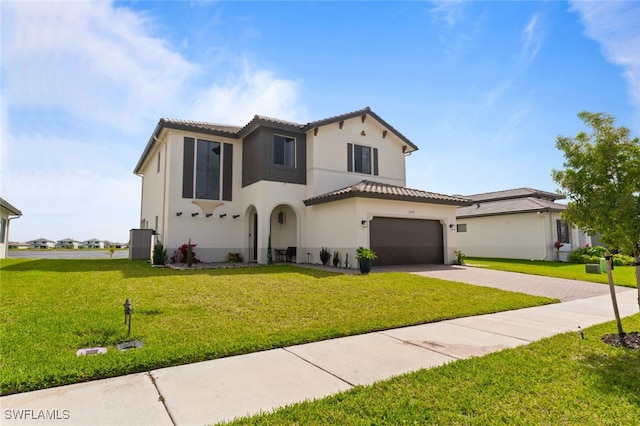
(627, 340)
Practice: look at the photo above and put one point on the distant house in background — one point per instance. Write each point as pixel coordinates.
(18, 245)
(68, 243)
(7, 212)
(116, 245)
(93, 243)
(522, 223)
(41, 243)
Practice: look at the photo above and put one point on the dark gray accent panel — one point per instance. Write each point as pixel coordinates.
(349, 157)
(399, 241)
(187, 168)
(258, 161)
(227, 172)
(375, 161)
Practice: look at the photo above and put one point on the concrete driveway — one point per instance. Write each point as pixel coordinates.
(557, 288)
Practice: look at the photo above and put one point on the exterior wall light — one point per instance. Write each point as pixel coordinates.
(364, 223)
(179, 214)
(209, 214)
(223, 215)
(194, 214)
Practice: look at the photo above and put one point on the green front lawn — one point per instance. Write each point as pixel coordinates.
(562, 380)
(622, 275)
(51, 308)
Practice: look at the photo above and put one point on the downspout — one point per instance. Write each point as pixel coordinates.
(550, 234)
(6, 234)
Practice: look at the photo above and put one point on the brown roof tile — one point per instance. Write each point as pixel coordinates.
(370, 189)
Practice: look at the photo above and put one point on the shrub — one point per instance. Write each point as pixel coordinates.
(587, 254)
(622, 260)
(460, 256)
(186, 253)
(324, 255)
(336, 258)
(159, 254)
(234, 257)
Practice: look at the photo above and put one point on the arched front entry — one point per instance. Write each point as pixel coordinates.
(284, 233)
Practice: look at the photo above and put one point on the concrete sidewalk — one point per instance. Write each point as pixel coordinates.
(222, 389)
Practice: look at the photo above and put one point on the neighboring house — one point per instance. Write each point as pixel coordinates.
(18, 245)
(7, 213)
(115, 245)
(521, 223)
(68, 243)
(337, 183)
(41, 243)
(93, 243)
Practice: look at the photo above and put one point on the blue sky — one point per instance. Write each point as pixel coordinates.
(483, 88)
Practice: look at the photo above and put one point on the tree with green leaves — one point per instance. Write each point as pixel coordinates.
(601, 179)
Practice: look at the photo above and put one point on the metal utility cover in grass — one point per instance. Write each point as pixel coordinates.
(125, 346)
(91, 351)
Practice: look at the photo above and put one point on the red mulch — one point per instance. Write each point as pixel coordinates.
(627, 340)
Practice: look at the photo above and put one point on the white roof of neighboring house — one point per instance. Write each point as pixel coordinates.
(8, 206)
(370, 189)
(511, 201)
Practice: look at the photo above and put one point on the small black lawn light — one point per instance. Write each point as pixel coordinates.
(128, 310)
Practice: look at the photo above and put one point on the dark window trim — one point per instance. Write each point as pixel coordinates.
(351, 159)
(295, 151)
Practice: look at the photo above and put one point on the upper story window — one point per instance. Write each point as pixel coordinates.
(207, 170)
(362, 159)
(284, 151)
(563, 231)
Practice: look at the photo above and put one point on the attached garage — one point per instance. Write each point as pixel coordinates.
(401, 225)
(399, 241)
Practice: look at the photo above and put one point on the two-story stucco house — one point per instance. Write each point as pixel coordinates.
(7, 213)
(521, 223)
(337, 183)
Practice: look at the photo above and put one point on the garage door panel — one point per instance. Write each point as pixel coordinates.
(399, 241)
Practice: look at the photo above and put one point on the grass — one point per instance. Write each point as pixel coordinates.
(560, 380)
(51, 308)
(622, 275)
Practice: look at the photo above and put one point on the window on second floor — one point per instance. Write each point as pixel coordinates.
(563, 231)
(362, 159)
(203, 175)
(284, 151)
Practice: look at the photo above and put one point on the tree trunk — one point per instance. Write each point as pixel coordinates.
(637, 263)
(614, 299)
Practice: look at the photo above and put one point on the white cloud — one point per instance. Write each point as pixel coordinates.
(615, 25)
(101, 71)
(531, 40)
(247, 93)
(88, 59)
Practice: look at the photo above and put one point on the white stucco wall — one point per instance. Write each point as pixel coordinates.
(513, 236)
(338, 225)
(327, 155)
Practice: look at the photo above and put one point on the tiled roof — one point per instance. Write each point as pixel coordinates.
(241, 131)
(8, 206)
(511, 206)
(370, 189)
(515, 193)
(199, 125)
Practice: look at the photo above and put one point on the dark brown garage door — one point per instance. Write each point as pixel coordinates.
(406, 241)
